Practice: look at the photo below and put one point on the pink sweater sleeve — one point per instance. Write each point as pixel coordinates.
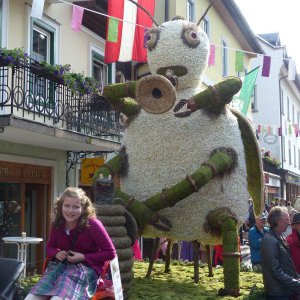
(101, 238)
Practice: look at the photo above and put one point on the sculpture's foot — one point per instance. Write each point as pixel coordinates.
(229, 292)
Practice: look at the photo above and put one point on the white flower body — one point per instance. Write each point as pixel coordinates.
(162, 149)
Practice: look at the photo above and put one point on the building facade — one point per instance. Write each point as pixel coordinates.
(276, 109)
(46, 126)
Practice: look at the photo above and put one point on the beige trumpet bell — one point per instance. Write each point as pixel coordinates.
(155, 94)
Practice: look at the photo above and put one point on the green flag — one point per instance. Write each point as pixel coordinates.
(239, 61)
(241, 101)
(113, 25)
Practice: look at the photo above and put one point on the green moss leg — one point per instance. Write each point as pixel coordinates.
(222, 222)
(231, 256)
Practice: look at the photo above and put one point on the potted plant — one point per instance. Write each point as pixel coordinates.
(12, 57)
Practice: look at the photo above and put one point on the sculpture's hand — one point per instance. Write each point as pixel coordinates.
(142, 213)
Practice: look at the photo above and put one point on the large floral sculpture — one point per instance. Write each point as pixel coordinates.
(188, 162)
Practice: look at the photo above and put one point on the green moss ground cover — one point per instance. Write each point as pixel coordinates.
(178, 284)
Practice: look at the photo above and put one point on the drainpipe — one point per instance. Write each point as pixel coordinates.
(166, 10)
(281, 139)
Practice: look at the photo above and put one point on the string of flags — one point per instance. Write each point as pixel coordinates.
(291, 129)
(124, 13)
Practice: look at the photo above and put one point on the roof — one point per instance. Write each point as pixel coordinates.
(235, 20)
(272, 38)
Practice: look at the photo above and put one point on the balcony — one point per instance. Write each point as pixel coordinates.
(34, 101)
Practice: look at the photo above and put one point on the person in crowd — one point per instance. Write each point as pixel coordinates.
(279, 275)
(282, 202)
(256, 234)
(288, 231)
(289, 205)
(294, 241)
(78, 246)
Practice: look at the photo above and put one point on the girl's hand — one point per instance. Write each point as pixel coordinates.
(61, 255)
(75, 257)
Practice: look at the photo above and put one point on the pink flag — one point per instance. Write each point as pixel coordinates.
(77, 18)
(212, 55)
(258, 128)
(266, 66)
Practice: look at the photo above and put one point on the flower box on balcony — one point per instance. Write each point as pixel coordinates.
(39, 70)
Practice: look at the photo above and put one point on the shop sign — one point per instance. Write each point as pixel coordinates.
(88, 168)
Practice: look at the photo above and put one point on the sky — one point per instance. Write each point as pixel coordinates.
(283, 16)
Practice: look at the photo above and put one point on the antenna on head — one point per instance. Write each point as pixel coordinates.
(146, 11)
(203, 16)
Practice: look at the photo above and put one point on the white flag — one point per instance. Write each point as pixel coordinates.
(292, 70)
(37, 9)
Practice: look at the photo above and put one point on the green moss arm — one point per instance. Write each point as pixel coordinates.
(221, 161)
(120, 96)
(255, 177)
(214, 98)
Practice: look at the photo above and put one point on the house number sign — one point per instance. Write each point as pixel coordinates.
(36, 174)
(4, 171)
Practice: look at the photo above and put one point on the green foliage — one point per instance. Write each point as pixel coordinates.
(76, 82)
(272, 160)
(12, 57)
(179, 284)
(25, 284)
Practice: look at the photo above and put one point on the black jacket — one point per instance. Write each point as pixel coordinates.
(279, 274)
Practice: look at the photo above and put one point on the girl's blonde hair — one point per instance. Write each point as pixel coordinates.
(88, 210)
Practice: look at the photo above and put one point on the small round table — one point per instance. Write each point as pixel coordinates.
(22, 244)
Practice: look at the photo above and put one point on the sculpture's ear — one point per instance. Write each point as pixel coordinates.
(255, 177)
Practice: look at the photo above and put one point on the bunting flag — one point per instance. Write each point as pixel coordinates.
(241, 101)
(77, 18)
(266, 66)
(239, 61)
(292, 70)
(112, 35)
(129, 44)
(212, 55)
(37, 9)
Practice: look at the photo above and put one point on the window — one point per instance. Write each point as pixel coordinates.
(281, 101)
(290, 153)
(206, 26)
(100, 71)
(288, 108)
(1, 21)
(293, 114)
(283, 148)
(42, 45)
(190, 10)
(224, 59)
(295, 162)
(254, 99)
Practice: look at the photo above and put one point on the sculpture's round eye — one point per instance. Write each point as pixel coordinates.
(191, 36)
(152, 37)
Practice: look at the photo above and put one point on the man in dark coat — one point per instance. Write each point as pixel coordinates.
(279, 275)
(294, 241)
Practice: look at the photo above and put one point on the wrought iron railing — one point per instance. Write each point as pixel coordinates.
(27, 91)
